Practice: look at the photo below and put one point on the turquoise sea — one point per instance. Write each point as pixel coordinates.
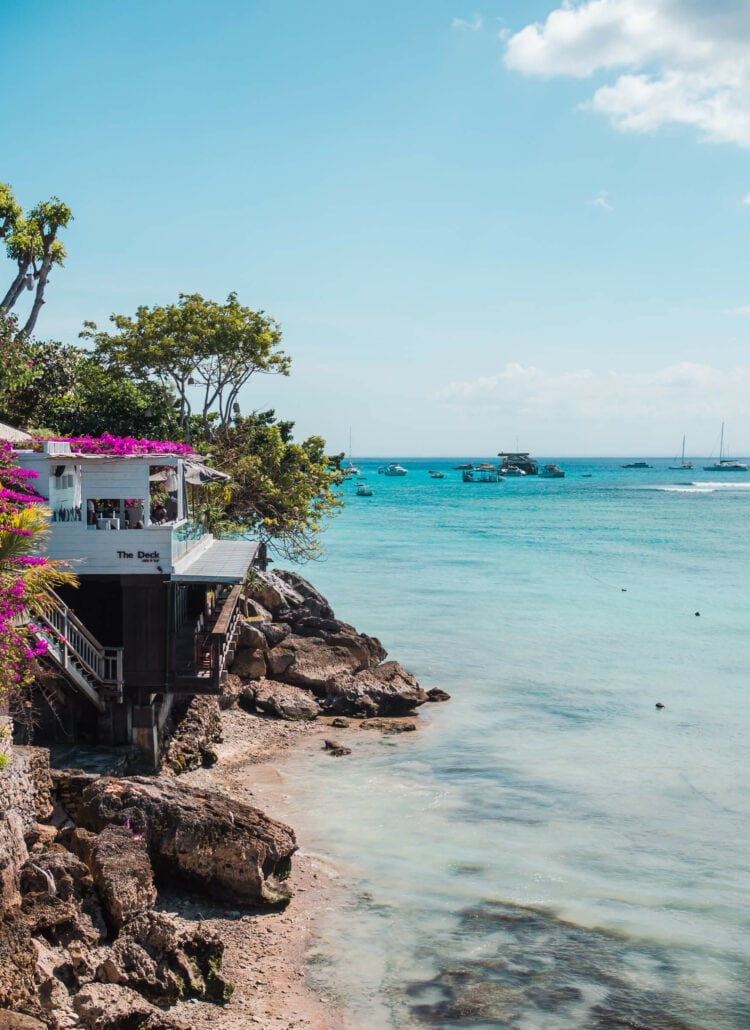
(551, 851)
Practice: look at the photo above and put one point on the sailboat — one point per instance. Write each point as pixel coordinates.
(683, 464)
(350, 469)
(725, 464)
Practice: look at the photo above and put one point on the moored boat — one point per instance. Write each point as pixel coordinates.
(552, 472)
(436, 475)
(637, 465)
(519, 460)
(725, 464)
(683, 464)
(394, 470)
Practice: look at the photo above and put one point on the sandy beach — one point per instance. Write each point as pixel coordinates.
(265, 950)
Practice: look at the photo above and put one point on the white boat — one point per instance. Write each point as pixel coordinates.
(551, 472)
(725, 464)
(394, 470)
(512, 470)
(350, 469)
(436, 475)
(363, 490)
(683, 464)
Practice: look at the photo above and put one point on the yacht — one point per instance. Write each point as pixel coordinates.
(551, 472)
(394, 470)
(637, 465)
(683, 465)
(725, 464)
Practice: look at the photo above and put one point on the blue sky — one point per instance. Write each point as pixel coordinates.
(475, 223)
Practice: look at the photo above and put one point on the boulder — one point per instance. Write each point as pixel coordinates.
(121, 869)
(70, 878)
(112, 1007)
(220, 846)
(436, 694)
(17, 1021)
(312, 661)
(275, 632)
(273, 594)
(164, 964)
(285, 701)
(255, 610)
(249, 665)
(237, 691)
(333, 631)
(17, 966)
(335, 749)
(302, 597)
(386, 690)
(388, 726)
(191, 745)
(252, 637)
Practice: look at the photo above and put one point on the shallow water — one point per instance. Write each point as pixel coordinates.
(551, 851)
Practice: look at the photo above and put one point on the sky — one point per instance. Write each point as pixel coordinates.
(481, 226)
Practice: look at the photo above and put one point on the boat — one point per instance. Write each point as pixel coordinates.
(551, 472)
(460, 468)
(513, 470)
(350, 469)
(436, 475)
(519, 460)
(394, 470)
(725, 464)
(683, 464)
(637, 465)
(363, 490)
(482, 474)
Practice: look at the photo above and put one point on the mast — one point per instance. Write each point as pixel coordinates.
(721, 445)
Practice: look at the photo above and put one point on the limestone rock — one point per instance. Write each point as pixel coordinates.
(386, 690)
(121, 869)
(275, 632)
(70, 878)
(194, 736)
(237, 691)
(249, 664)
(13, 853)
(112, 1007)
(388, 726)
(57, 921)
(17, 1021)
(152, 957)
(285, 701)
(312, 661)
(312, 601)
(436, 694)
(254, 609)
(333, 631)
(17, 966)
(335, 749)
(251, 636)
(221, 846)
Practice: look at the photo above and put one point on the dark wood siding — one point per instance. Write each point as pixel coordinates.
(146, 629)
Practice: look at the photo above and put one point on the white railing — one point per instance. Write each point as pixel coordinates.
(74, 647)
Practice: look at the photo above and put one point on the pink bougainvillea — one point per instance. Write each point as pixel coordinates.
(19, 646)
(122, 446)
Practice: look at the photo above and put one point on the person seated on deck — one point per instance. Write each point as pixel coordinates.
(158, 513)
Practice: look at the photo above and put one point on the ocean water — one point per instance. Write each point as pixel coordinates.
(551, 851)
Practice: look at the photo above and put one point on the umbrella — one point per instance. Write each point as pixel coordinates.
(198, 474)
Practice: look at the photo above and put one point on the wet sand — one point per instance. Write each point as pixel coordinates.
(265, 950)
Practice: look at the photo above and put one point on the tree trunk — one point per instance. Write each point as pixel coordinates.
(10, 298)
(41, 283)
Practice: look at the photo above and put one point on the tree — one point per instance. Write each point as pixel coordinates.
(31, 241)
(199, 344)
(281, 491)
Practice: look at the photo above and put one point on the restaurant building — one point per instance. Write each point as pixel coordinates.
(157, 608)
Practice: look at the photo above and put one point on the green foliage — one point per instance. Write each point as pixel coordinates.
(195, 346)
(281, 491)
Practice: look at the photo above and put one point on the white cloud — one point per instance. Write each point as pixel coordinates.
(684, 62)
(468, 25)
(601, 200)
(738, 311)
(666, 395)
(746, 199)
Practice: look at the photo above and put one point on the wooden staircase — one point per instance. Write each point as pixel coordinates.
(94, 670)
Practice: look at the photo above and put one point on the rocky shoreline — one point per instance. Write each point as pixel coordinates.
(173, 901)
